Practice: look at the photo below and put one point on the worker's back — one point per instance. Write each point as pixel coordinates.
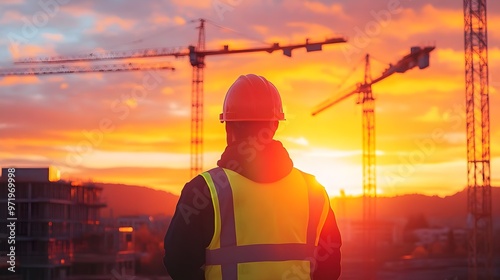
(254, 216)
(264, 230)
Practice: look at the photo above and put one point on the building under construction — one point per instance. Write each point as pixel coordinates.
(58, 232)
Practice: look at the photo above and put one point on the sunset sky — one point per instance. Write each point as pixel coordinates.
(420, 116)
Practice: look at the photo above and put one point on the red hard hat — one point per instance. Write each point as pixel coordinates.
(252, 98)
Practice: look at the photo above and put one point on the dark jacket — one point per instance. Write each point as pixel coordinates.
(192, 226)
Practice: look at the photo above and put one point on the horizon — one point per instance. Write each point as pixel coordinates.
(346, 195)
(331, 196)
(420, 119)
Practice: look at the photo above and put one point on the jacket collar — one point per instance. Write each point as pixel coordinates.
(257, 161)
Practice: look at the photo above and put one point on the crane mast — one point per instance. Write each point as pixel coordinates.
(369, 172)
(480, 245)
(198, 63)
(417, 57)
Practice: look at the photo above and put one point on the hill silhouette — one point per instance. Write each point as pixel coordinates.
(439, 211)
(126, 200)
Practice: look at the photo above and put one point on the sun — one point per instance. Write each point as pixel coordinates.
(333, 173)
(337, 178)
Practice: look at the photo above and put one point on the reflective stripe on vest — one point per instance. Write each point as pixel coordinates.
(228, 254)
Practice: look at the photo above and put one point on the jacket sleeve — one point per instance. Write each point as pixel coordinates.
(328, 255)
(190, 232)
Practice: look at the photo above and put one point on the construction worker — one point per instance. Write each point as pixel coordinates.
(254, 216)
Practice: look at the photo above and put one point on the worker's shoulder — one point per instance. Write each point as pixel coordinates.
(308, 176)
(196, 186)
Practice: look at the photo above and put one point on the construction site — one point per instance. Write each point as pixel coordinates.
(108, 108)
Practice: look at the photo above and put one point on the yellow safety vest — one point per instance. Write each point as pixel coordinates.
(264, 230)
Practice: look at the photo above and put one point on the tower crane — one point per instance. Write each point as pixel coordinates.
(418, 57)
(196, 56)
(477, 107)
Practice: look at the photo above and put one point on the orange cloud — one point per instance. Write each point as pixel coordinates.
(18, 51)
(18, 80)
(203, 4)
(431, 116)
(422, 84)
(305, 29)
(104, 23)
(261, 29)
(10, 16)
(13, 2)
(53, 36)
(320, 8)
(430, 20)
(449, 56)
(164, 19)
